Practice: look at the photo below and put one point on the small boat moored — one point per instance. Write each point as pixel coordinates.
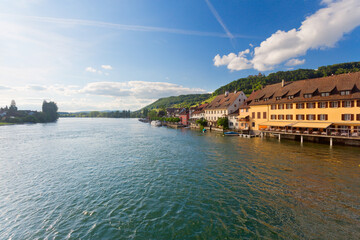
(231, 134)
(156, 123)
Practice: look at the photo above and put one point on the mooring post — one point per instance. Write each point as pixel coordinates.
(301, 139)
(279, 136)
(331, 142)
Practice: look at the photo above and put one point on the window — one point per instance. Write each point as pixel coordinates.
(357, 117)
(256, 100)
(278, 98)
(281, 106)
(347, 117)
(325, 94)
(322, 105)
(264, 115)
(273, 107)
(253, 124)
(253, 115)
(300, 105)
(290, 97)
(265, 99)
(322, 117)
(343, 93)
(310, 117)
(259, 115)
(309, 95)
(247, 110)
(310, 105)
(300, 117)
(348, 103)
(289, 106)
(334, 104)
(281, 117)
(273, 117)
(289, 117)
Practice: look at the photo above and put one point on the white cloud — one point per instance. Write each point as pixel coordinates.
(138, 89)
(90, 69)
(321, 30)
(233, 61)
(107, 67)
(294, 62)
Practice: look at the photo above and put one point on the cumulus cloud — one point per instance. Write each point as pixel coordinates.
(233, 61)
(107, 67)
(138, 89)
(90, 69)
(321, 30)
(295, 62)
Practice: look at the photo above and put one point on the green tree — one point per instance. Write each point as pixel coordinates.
(202, 122)
(50, 109)
(223, 122)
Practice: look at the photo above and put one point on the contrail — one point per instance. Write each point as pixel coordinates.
(218, 18)
(139, 28)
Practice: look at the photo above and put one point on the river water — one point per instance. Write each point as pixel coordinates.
(123, 179)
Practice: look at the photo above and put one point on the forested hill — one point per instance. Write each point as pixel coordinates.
(251, 83)
(179, 101)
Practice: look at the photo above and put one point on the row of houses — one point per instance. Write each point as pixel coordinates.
(324, 106)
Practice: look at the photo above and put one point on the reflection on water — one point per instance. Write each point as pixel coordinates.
(115, 178)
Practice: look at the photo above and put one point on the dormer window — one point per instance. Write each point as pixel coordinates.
(343, 93)
(256, 100)
(265, 99)
(325, 94)
(309, 95)
(278, 98)
(290, 97)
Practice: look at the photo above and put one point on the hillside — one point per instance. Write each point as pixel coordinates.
(179, 101)
(252, 83)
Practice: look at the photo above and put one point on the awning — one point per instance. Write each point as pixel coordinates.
(276, 124)
(311, 125)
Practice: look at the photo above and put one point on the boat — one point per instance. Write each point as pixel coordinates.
(156, 123)
(231, 134)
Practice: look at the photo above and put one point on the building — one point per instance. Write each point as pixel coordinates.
(233, 120)
(199, 112)
(325, 106)
(184, 116)
(244, 117)
(223, 105)
(173, 112)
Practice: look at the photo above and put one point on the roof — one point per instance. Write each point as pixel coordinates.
(200, 108)
(316, 86)
(222, 101)
(235, 113)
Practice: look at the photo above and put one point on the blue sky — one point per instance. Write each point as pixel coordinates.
(97, 55)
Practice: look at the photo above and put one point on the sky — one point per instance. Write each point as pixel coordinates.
(125, 54)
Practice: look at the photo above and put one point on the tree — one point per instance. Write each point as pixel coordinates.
(202, 122)
(12, 109)
(50, 109)
(224, 122)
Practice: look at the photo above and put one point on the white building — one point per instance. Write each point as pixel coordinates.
(223, 105)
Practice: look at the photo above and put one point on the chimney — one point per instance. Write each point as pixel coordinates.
(282, 83)
(235, 91)
(226, 93)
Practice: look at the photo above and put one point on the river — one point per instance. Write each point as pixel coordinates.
(123, 179)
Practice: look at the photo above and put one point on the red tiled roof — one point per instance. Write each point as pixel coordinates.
(222, 101)
(331, 84)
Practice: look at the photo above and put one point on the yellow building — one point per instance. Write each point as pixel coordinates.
(324, 106)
